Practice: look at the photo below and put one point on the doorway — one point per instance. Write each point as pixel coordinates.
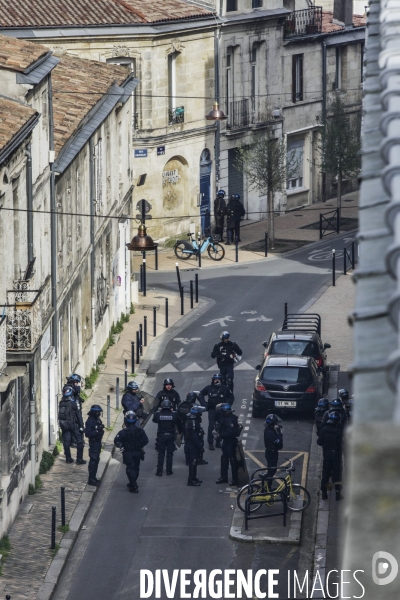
(205, 192)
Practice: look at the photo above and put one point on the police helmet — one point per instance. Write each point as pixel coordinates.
(225, 407)
(344, 394)
(195, 410)
(221, 193)
(236, 196)
(166, 404)
(74, 378)
(191, 397)
(323, 403)
(224, 335)
(67, 391)
(216, 379)
(272, 419)
(336, 404)
(95, 408)
(168, 381)
(130, 417)
(132, 385)
(333, 418)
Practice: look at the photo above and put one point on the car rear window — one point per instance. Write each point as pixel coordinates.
(286, 374)
(297, 347)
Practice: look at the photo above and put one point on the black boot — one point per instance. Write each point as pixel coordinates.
(134, 489)
(170, 472)
(224, 470)
(159, 472)
(211, 446)
(80, 461)
(93, 482)
(192, 475)
(69, 460)
(79, 456)
(195, 475)
(201, 461)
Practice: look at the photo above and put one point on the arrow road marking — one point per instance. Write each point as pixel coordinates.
(220, 321)
(180, 353)
(262, 318)
(186, 341)
(249, 312)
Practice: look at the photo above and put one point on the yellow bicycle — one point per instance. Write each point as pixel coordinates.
(297, 498)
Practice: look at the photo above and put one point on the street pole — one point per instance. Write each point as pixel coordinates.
(196, 286)
(145, 330)
(191, 293)
(333, 267)
(144, 277)
(132, 357)
(182, 302)
(166, 313)
(117, 393)
(154, 321)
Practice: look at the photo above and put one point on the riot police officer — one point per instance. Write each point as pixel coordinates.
(183, 413)
(219, 213)
(71, 424)
(131, 400)
(273, 442)
(226, 353)
(217, 393)
(131, 441)
(322, 408)
(168, 393)
(193, 444)
(94, 431)
(337, 407)
(168, 424)
(330, 438)
(228, 431)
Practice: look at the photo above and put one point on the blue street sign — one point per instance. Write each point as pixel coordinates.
(160, 150)
(141, 153)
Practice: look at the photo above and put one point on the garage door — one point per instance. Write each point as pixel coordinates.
(234, 175)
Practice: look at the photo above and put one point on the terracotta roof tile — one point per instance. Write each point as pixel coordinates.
(78, 84)
(329, 26)
(17, 55)
(13, 116)
(359, 20)
(36, 13)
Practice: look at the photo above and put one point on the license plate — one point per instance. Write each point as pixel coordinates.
(286, 403)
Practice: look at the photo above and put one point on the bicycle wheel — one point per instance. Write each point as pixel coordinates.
(243, 494)
(181, 252)
(216, 251)
(298, 499)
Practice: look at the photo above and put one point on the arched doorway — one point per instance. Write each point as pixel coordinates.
(205, 191)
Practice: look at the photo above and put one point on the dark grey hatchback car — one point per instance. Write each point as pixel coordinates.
(287, 383)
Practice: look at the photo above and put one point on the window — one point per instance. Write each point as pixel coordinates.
(338, 74)
(231, 5)
(16, 222)
(297, 77)
(254, 78)
(172, 79)
(98, 176)
(295, 152)
(44, 110)
(256, 3)
(129, 63)
(18, 412)
(229, 87)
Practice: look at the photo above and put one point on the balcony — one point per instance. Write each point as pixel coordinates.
(247, 112)
(304, 22)
(176, 115)
(29, 311)
(3, 338)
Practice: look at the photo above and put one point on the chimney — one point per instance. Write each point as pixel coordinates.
(343, 11)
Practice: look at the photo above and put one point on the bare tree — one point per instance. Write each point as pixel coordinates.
(267, 165)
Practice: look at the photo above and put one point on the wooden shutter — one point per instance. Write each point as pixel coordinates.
(300, 67)
(294, 78)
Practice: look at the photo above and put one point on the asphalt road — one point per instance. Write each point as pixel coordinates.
(169, 525)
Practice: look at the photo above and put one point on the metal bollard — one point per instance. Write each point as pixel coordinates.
(126, 375)
(320, 226)
(344, 260)
(199, 253)
(144, 277)
(137, 348)
(333, 267)
(353, 260)
(191, 293)
(156, 257)
(154, 321)
(196, 287)
(182, 301)
(166, 313)
(117, 393)
(108, 411)
(53, 528)
(63, 506)
(141, 279)
(285, 309)
(178, 275)
(132, 357)
(145, 330)
(141, 338)
(266, 244)
(236, 249)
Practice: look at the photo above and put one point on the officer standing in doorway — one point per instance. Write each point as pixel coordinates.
(71, 424)
(168, 424)
(94, 431)
(131, 440)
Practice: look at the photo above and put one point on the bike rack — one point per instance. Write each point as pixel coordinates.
(248, 503)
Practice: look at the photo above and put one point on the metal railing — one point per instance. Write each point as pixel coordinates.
(329, 222)
(238, 114)
(304, 22)
(28, 312)
(3, 343)
(176, 115)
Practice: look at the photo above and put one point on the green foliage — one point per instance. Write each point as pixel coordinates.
(171, 241)
(132, 310)
(102, 357)
(46, 463)
(38, 482)
(58, 447)
(31, 490)
(5, 549)
(63, 528)
(91, 379)
(54, 552)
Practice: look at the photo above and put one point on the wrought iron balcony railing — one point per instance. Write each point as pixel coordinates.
(176, 115)
(238, 114)
(304, 22)
(3, 338)
(28, 312)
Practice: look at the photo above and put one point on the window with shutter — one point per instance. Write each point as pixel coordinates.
(297, 77)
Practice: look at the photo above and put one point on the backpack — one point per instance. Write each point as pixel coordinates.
(133, 441)
(65, 414)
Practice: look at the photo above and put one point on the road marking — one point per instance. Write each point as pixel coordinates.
(221, 321)
(248, 420)
(259, 463)
(245, 435)
(249, 415)
(186, 341)
(244, 366)
(168, 369)
(249, 312)
(261, 318)
(246, 428)
(192, 367)
(180, 353)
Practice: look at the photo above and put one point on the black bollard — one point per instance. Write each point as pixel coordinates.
(266, 244)
(63, 506)
(191, 293)
(117, 393)
(285, 309)
(53, 528)
(137, 348)
(156, 256)
(132, 357)
(182, 301)
(144, 277)
(126, 375)
(178, 276)
(145, 331)
(154, 321)
(141, 279)
(166, 312)
(108, 411)
(320, 226)
(199, 253)
(141, 338)
(196, 287)
(236, 249)
(333, 267)
(353, 261)
(344, 260)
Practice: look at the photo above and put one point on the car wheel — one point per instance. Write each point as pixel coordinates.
(256, 412)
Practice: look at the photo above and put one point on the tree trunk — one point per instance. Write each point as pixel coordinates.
(271, 225)
(339, 196)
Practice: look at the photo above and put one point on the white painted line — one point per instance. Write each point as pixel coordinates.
(248, 421)
(251, 403)
(243, 442)
(245, 435)
(246, 428)
(249, 415)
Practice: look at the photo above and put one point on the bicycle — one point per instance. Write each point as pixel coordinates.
(185, 249)
(298, 498)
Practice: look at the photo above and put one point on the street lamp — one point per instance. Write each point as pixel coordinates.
(216, 114)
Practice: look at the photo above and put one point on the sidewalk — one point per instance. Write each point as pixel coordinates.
(30, 571)
(292, 230)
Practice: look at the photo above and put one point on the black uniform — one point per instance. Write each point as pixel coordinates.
(223, 352)
(217, 394)
(170, 395)
(193, 445)
(339, 411)
(71, 423)
(228, 432)
(330, 438)
(273, 441)
(79, 404)
(219, 215)
(132, 441)
(234, 213)
(131, 401)
(168, 423)
(318, 416)
(94, 431)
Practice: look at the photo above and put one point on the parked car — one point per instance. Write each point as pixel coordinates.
(287, 383)
(298, 343)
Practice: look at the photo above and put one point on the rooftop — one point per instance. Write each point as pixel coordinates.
(78, 84)
(18, 55)
(329, 26)
(35, 13)
(13, 117)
